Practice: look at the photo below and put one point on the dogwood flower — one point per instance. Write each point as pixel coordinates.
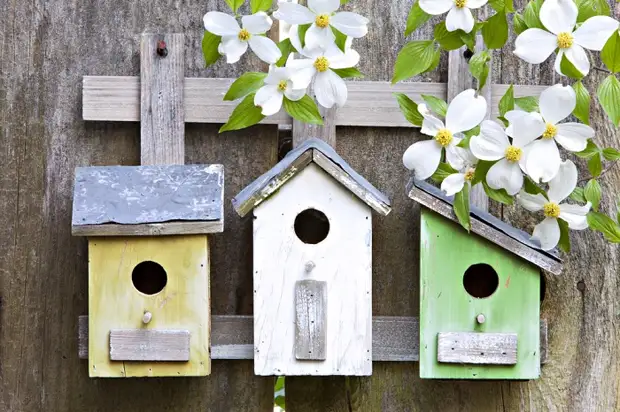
(235, 39)
(465, 112)
(459, 12)
(465, 162)
(322, 16)
(547, 232)
(559, 18)
(278, 85)
(329, 88)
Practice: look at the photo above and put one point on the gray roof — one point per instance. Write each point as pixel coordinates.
(311, 151)
(489, 227)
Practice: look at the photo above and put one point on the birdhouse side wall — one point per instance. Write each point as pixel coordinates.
(342, 260)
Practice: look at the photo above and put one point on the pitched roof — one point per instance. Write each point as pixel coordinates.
(488, 226)
(323, 155)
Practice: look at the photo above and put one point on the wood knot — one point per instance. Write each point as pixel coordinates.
(162, 49)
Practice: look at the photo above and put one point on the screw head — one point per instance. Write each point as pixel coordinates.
(481, 319)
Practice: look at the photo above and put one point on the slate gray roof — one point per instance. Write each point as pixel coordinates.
(311, 151)
(489, 227)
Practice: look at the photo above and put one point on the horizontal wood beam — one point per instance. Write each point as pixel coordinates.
(394, 339)
(117, 98)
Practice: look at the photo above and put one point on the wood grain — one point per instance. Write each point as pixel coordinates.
(149, 229)
(310, 319)
(140, 345)
(477, 348)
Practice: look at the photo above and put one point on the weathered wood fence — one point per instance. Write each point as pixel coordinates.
(46, 49)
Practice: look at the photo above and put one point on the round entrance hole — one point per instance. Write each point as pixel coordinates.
(311, 226)
(149, 277)
(480, 280)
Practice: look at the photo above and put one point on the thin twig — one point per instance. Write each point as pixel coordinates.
(607, 169)
(600, 69)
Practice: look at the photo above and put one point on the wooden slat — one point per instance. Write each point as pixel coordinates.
(144, 345)
(149, 229)
(477, 348)
(394, 339)
(326, 132)
(310, 319)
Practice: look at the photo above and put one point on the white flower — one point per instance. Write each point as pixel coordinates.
(329, 88)
(492, 144)
(548, 231)
(465, 112)
(321, 14)
(278, 84)
(459, 12)
(560, 17)
(465, 162)
(235, 39)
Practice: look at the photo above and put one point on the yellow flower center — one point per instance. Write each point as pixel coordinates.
(565, 40)
(513, 154)
(244, 35)
(322, 20)
(469, 174)
(321, 64)
(444, 137)
(550, 131)
(552, 210)
(282, 85)
(460, 3)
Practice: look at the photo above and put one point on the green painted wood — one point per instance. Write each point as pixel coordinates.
(446, 252)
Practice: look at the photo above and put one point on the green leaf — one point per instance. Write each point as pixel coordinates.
(593, 193)
(350, 73)
(590, 150)
(530, 16)
(507, 102)
(246, 114)
(448, 40)
(464, 143)
(280, 401)
(605, 225)
(235, 4)
(611, 154)
(409, 109)
(527, 103)
(343, 2)
(495, 31)
(482, 168)
(582, 110)
(470, 38)
(578, 195)
(591, 8)
(435, 62)
(413, 59)
(444, 170)
(286, 47)
(502, 5)
(304, 110)
(519, 23)
(301, 30)
(247, 83)
(498, 195)
(417, 17)
(595, 165)
(611, 53)
(564, 243)
(609, 97)
(461, 207)
(341, 39)
(436, 104)
(569, 69)
(260, 5)
(210, 44)
(479, 67)
(279, 384)
(532, 188)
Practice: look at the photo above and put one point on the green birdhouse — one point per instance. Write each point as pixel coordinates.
(480, 294)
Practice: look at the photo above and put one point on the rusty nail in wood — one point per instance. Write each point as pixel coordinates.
(162, 50)
(481, 319)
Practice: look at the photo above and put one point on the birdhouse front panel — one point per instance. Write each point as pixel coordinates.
(312, 279)
(480, 306)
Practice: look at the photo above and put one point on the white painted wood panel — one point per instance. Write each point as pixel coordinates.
(343, 260)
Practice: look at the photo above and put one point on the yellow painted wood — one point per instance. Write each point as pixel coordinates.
(114, 302)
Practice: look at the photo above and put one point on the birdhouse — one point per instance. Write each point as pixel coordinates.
(480, 294)
(312, 264)
(148, 266)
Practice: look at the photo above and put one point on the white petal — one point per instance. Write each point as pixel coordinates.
(564, 183)
(459, 158)
(294, 94)
(302, 72)
(557, 103)
(431, 125)
(547, 233)
(423, 158)
(351, 24)
(574, 136)
(265, 49)
(476, 4)
(233, 48)
(269, 99)
(293, 35)
(594, 32)
(453, 184)
(465, 111)
(533, 203)
(491, 143)
(436, 7)
(460, 19)
(523, 161)
(323, 6)
(575, 215)
(277, 74)
(513, 116)
(559, 16)
(578, 56)
(558, 62)
(294, 13)
(543, 160)
(505, 175)
(330, 89)
(257, 23)
(339, 60)
(535, 45)
(527, 128)
(317, 37)
(221, 24)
